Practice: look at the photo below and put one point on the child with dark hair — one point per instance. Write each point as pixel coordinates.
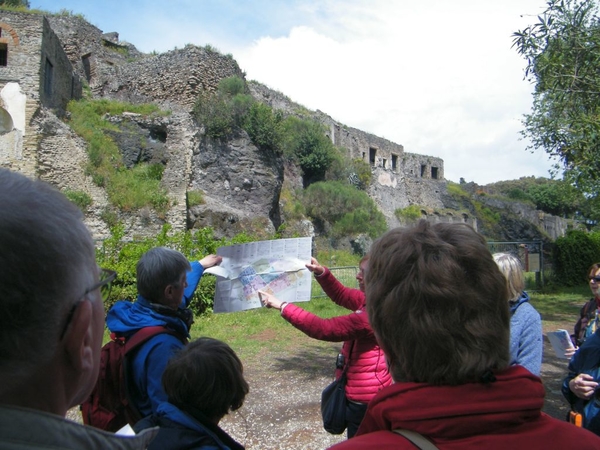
(204, 381)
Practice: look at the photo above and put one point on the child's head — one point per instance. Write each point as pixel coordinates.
(206, 376)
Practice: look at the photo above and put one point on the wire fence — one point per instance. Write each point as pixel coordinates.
(345, 275)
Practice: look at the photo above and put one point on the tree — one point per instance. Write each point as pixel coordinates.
(562, 51)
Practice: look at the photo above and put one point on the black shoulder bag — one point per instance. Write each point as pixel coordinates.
(333, 402)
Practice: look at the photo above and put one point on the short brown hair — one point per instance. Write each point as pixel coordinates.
(438, 304)
(206, 376)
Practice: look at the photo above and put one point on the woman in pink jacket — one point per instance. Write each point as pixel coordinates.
(367, 371)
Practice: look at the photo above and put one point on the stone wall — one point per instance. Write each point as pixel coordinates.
(58, 83)
(173, 78)
(93, 54)
(36, 72)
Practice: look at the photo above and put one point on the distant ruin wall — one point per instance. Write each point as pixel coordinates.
(176, 77)
(58, 83)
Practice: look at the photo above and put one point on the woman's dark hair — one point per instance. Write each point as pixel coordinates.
(438, 304)
(206, 376)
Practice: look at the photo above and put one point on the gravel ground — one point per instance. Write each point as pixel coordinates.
(282, 409)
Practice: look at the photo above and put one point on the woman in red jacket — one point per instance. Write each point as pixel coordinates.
(367, 371)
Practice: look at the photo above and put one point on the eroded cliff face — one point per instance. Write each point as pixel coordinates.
(241, 186)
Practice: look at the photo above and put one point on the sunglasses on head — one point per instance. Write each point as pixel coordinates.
(595, 279)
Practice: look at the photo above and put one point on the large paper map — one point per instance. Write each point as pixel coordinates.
(276, 266)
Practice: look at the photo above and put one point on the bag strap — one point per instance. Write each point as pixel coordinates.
(417, 439)
(146, 333)
(349, 356)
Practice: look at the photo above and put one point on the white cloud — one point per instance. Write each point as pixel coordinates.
(439, 78)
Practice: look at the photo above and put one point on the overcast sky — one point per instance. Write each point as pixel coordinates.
(437, 76)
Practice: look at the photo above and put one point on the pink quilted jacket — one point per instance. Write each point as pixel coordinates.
(367, 373)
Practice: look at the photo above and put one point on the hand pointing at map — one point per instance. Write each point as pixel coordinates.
(270, 301)
(315, 267)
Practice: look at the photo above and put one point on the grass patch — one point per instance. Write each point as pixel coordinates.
(254, 331)
(127, 189)
(195, 198)
(562, 305)
(79, 198)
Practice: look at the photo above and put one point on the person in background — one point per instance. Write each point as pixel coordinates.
(204, 381)
(588, 315)
(166, 282)
(437, 304)
(367, 371)
(580, 386)
(51, 320)
(526, 344)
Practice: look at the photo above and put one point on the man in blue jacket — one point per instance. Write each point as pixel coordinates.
(166, 282)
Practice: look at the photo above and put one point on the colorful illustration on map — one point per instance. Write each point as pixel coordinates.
(276, 266)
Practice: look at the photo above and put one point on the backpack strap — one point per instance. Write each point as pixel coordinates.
(143, 334)
(416, 439)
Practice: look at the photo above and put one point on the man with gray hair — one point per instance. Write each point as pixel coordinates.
(437, 303)
(51, 320)
(166, 282)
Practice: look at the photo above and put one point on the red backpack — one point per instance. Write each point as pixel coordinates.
(108, 406)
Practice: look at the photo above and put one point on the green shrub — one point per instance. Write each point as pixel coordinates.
(80, 198)
(215, 115)
(353, 171)
(263, 127)
(517, 194)
(409, 214)
(344, 208)
(305, 143)
(573, 254)
(195, 198)
(221, 112)
(232, 86)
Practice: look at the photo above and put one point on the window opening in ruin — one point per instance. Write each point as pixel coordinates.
(48, 75)
(384, 162)
(3, 55)
(434, 173)
(87, 69)
(394, 162)
(372, 153)
(363, 157)
(6, 122)
(423, 169)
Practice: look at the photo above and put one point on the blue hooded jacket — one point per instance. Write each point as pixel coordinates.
(526, 344)
(179, 430)
(148, 362)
